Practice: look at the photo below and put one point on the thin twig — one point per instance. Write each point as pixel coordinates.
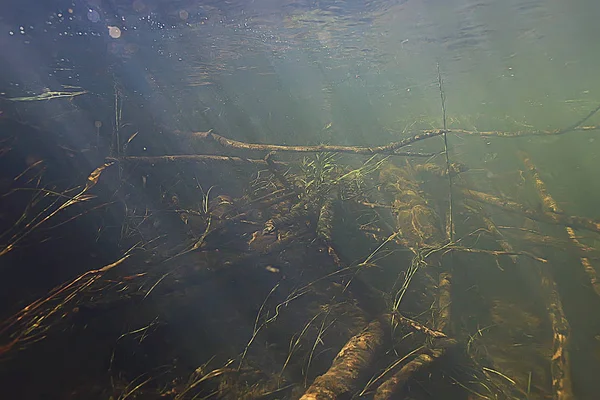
(445, 135)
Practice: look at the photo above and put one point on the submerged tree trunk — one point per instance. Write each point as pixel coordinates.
(349, 367)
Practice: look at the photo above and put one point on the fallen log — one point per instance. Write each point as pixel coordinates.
(560, 363)
(349, 367)
(552, 206)
(392, 387)
(547, 217)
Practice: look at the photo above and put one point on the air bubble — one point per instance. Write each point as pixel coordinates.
(114, 32)
(93, 15)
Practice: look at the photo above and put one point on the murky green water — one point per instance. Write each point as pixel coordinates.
(355, 73)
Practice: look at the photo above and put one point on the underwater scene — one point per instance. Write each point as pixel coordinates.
(300, 199)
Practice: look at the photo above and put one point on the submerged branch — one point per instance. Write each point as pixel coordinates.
(392, 387)
(193, 158)
(541, 132)
(386, 149)
(552, 206)
(547, 217)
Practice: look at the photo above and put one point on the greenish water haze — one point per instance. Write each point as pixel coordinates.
(359, 72)
(369, 69)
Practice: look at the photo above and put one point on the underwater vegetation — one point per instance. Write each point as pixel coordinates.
(263, 271)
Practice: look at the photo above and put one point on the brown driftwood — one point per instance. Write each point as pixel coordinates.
(421, 228)
(548, 217)
(578, 248)
(551, 205)
(440, 171)
(560, 363)
(491, 227)
(585, 262)
(444, 302)
(349, 367)
(416, 325)
(325, 229)
(193, 158)
(386, 149)
(392, 387)
(419, 223)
